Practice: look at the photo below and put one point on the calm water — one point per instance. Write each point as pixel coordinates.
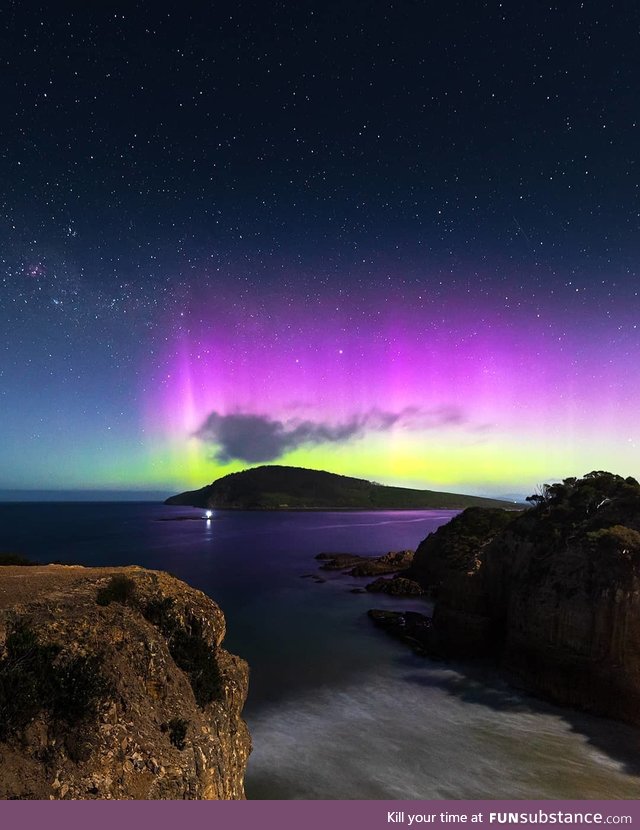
(336, 708)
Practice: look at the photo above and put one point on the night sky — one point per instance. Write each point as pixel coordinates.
(392, 240)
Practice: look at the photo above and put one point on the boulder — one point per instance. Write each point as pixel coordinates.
(399, 586)
(411, 628)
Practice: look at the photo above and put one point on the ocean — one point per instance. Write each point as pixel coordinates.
(336, 708)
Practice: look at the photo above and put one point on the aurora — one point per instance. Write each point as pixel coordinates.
(404, 392)
(344, 244)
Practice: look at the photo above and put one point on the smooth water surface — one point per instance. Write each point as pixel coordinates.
(336, 708)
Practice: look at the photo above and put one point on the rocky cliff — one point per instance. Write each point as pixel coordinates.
(553, 594)
(449, 566)
(114, 685)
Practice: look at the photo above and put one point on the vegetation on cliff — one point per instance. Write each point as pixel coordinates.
(37, 678)
(274, 487)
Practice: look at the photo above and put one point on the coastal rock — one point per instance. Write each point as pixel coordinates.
(448, 565)
(387, 564)
(408, 626)
(456, 547)
(552, 594)
(399, 586)
(338, 561)
(354, 565)
(114, 685)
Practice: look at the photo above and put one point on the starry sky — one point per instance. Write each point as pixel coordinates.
(396, 240)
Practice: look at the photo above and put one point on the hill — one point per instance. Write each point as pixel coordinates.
(274, 487)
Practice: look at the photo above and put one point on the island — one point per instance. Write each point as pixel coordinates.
(276, 487)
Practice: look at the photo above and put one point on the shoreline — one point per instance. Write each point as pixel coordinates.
(331, 509)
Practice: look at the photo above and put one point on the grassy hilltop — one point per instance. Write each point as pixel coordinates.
(274, 487)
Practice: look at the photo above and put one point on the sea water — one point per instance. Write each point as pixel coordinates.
(337, 709)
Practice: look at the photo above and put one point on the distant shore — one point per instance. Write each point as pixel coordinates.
(515, 507)
(276, 487)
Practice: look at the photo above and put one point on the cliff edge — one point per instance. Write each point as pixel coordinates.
(114, 685)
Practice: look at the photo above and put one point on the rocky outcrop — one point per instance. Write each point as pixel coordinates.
(339, 561)
(552, 594)
(114, 685)
(388, 563)
(355, 565)
(448, 565)
(457, 547)
(399, 586)
(411, 628)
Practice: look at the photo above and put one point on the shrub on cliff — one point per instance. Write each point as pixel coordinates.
(177, 728)
(617, 540)
(33, 679)
(565, 511)
(615, 554)
(581, 497)
(119, 589)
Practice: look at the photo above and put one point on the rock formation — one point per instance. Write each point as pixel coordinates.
(114, 685)
(399, 586)
(356, 565)
(553, 594)
(411, 628)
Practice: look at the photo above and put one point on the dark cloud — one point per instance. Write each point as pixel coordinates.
(256, 438)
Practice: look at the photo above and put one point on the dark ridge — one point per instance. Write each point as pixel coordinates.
(274, 487)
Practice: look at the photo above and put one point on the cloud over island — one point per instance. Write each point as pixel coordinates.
(261, 438)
